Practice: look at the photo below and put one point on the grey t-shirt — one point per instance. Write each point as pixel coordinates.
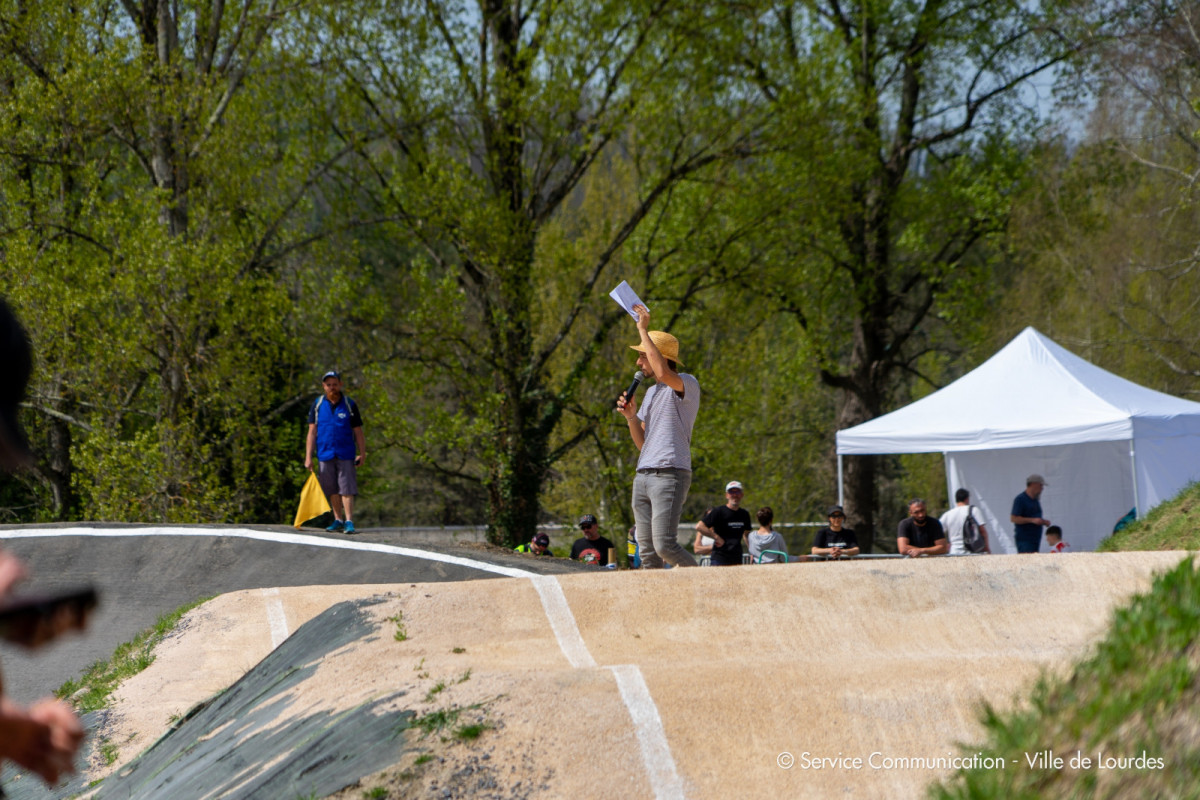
(669, 419)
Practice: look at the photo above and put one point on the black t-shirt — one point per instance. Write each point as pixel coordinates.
(591, 552)
(921, 535)
(730, 524)
(827, 537)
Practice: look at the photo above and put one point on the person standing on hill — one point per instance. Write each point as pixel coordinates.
(335, 432)
(1027, 516)
(662, 430)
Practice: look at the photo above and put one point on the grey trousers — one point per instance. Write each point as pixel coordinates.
(658, 497)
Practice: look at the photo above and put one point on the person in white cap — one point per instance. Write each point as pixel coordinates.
(662, 431)
(727, 525)
(1027, 516)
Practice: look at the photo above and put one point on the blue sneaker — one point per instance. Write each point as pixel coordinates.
(350, 527)
(336, 527)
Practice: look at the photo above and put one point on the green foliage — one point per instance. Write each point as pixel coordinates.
(153, 219)
(1135, 697)
(499, 179)
(109, 751)
(130, 658)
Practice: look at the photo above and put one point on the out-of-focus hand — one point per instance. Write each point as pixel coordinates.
(12, 572)
(43, 740)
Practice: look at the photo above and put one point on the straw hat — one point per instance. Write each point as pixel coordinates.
(667, 344)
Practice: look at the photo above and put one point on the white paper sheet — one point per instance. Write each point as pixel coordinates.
(627, 298)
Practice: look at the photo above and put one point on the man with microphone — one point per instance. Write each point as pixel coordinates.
(662, 431)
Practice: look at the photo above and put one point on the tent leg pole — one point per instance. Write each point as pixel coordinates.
(842, 486)
(949, 480)
(1137, 504)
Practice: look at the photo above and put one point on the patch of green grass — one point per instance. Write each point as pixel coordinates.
(1173, 525)
(108, 751)
(471, 732)
(466, 676)
(459, 650)
(423, 759)
(437, 720)
(401, 631)
(1138, 696)
(376, 793)
(130, 658)
(437, 689)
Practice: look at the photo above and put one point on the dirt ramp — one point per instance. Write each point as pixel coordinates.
(807, 680)
(754, 667)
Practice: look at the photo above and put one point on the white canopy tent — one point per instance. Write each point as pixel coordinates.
(1104, 444)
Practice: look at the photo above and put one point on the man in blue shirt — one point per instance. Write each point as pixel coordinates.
(335, 432)
(1027, 516)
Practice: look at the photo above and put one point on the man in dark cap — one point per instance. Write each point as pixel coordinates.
(1027, 516)
(538, 546)
(591, 548)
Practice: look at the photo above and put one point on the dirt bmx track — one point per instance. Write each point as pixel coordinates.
(683, 683)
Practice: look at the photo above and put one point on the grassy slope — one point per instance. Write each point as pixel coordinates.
(92, 690)
(1138, 695)
(1174, 525)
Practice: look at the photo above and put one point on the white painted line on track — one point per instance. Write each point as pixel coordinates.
(656, 752)
(652, 738)
(562, 621)
(276, 617)
(270, 536)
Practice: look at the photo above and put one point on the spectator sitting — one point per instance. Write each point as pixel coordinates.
(836, 540)
(1054, 540)
(539, 546)
(591, 548)
(920, 535)
(766, 538)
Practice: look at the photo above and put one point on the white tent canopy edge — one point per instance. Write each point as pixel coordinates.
(1105, 444)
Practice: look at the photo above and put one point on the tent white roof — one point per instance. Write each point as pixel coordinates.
(1032, 393)
(1104, 444)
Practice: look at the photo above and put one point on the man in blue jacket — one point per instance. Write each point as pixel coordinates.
(335, 432)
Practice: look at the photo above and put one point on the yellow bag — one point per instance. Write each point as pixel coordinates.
(313, 502)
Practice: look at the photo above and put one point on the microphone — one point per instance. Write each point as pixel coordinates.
(638, 377)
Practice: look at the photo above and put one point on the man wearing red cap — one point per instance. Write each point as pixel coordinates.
(662, 431)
